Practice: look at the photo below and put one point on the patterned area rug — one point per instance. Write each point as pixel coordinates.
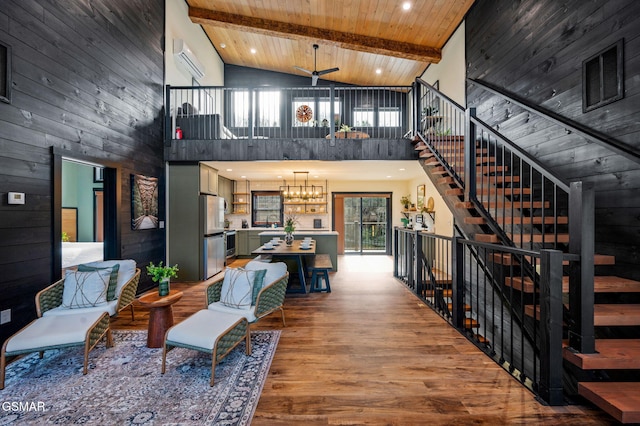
(124, 385)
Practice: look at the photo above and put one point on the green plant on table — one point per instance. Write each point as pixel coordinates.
(290, 224)
(159, 272)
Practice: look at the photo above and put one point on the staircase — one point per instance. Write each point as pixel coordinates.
(512, 203)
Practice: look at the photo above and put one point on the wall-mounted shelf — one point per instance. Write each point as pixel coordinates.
(241, 197)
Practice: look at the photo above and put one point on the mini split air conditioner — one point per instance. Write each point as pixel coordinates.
(187, 59)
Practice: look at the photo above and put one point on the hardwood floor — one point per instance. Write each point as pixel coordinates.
(370, 353)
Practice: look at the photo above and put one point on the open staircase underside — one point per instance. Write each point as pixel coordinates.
(505, 193)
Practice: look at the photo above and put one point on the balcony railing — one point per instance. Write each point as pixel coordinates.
(206, 113)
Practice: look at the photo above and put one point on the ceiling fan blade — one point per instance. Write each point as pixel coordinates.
(303, 70)
(323, 72)
(314, 79)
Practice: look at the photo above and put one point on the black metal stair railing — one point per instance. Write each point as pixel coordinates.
(465, 281)
(522, 202)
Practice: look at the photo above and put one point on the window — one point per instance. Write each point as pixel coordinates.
(602, 78)
(363, 117)
(5, 73)
(240, 108)
(266, 208)
(269, 109)
(324, 111)
(389, 117)
(321, 111)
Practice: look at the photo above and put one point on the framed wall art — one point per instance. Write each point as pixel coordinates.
(420, 197)
(144, 202)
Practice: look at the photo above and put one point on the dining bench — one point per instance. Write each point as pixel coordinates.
(319, 266)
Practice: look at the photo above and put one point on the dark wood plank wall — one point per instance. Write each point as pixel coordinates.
(535, 48)
(87, 79)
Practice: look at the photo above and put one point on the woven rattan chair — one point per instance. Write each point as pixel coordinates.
(49, 300)
(269, 300)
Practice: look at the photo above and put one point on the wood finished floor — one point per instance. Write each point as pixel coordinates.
(371, 353)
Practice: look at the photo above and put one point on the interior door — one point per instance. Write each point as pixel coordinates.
(98, 215)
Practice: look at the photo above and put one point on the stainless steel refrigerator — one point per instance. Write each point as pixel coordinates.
(213, 241)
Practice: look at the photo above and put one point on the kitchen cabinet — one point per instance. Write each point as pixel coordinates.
(225, 190)
(247, 240)
(208, 180)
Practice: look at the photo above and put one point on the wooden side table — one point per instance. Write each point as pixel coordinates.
(161, 315)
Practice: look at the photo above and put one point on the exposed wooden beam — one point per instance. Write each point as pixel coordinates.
(344, 40)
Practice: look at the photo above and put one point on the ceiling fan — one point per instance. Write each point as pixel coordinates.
(315, 73)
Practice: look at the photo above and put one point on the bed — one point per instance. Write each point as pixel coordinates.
(76, 253)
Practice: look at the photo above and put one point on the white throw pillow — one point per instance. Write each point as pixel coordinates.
(237, 288)
(126, 272)
(85, 289)
(274, 270)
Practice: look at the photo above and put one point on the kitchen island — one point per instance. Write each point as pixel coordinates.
(326, 241)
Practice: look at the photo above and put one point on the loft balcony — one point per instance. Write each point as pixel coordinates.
(268, 123)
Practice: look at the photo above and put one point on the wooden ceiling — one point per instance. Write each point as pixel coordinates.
(358, 36)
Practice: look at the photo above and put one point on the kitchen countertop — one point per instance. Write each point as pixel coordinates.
(300, 232)
(281, 229)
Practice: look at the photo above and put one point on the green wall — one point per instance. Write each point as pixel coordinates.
(77, 191)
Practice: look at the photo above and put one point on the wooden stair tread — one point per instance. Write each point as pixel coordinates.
(420, 146)
(464, 205)
(507, 259)
(471, 323)
(445, 293)
(612, 354)
(605, 314)
(536, 220)
(516, 205)
(504, 191)
(466, 307)
(616, 314)
(621, 400)
(486, 238)
(539, 238)
(498, 179)
(454, 191)
(474, 220)
(601, 284)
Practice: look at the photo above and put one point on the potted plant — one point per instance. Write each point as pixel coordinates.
(162, 275)
(405, 200)
(289, 226)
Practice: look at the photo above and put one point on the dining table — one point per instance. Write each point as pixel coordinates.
(296, 251)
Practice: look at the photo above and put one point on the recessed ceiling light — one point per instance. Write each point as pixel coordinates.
(229, 170)
(253, 51)
(222, 45)
(389, 177)
(243, 177)
(406, 5)
(316, 177)
(279, 177)
(402, 170)
(378, 71)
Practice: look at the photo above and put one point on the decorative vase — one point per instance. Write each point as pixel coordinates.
(163, 287)
(288, 238)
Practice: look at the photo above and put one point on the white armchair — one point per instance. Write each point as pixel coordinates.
(54, 300)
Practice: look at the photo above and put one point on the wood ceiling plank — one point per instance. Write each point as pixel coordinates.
(345, 40)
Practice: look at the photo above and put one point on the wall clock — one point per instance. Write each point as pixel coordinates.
(304, 113)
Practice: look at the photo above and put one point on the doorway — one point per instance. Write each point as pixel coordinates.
(97, 206)
(362, 220)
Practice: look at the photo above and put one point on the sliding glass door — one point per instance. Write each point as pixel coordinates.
(366, 225)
